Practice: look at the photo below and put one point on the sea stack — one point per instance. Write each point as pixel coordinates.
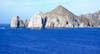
(35, 22)
(16, 22)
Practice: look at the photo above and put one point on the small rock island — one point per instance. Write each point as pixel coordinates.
(59, 17)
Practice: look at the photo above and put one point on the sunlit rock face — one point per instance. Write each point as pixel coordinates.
(55, 23)
(35, 22)
(16, 22)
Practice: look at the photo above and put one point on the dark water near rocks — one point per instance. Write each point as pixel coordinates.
(49, 41)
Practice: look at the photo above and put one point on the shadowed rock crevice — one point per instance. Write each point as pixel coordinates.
(44, 22)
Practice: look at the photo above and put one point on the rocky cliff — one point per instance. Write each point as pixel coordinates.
(59, 17)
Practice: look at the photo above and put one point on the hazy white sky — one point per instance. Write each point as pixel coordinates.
(27, 8)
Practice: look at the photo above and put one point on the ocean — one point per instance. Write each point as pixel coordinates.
(49, 41)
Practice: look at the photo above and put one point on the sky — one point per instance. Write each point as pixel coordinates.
(26, 9)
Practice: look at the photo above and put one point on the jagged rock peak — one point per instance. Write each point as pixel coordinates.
(61, 11)
(61, 7)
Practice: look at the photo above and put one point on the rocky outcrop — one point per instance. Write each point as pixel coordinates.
(35, 22)
(91, 20)
(16, 22)
(59, 17)
(62, 18)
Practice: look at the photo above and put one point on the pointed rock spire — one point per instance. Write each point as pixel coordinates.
(61, 11)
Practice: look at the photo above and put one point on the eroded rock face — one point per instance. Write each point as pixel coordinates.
(55, 23)
(16, 22)
(35, 22)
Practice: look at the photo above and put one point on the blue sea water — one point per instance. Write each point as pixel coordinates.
(49, 41)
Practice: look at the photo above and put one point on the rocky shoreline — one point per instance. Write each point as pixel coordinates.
(59, 17)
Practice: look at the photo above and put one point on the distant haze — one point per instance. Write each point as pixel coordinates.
(28, 8)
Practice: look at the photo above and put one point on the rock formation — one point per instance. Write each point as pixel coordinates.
(16, 22)
(91, 20)
(35, 22)
(59, 17)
